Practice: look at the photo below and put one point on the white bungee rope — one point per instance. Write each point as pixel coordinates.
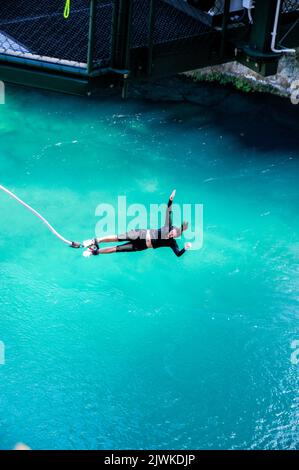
(37, 214)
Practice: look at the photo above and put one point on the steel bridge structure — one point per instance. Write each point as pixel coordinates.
(113, 42)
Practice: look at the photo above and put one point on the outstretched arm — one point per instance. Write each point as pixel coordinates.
(177, 251)
(175, 248)
(168, 217)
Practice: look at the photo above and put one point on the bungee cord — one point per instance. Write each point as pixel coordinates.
(37, 214)
(67, 9)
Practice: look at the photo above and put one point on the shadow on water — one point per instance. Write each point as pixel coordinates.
(260, 121)
(257, 121)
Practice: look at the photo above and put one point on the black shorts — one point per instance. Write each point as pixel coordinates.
(136, 241)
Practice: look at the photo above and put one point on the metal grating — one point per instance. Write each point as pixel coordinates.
(140, 23)
(174, 20)
(290, 6)
(103, 32)
(37, 30)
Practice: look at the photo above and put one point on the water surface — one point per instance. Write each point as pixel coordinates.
(146, 350)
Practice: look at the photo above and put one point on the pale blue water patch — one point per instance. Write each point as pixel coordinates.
(146, 350)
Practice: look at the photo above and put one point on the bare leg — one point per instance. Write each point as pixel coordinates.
(108, 239)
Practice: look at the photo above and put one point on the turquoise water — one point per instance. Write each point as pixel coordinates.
(147, 350)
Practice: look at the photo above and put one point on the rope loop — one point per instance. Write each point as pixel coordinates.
(67, 9)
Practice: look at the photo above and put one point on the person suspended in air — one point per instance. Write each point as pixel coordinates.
(142, 239)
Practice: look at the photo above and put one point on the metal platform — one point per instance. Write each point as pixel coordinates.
(115, 39)
(53, 38)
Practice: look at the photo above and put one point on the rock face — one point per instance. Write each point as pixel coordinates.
(247, 80)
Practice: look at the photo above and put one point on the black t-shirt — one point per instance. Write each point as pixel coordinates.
(159, 237)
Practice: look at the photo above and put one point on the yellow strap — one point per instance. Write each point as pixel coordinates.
(67, 9)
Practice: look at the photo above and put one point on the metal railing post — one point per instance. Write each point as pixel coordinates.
(226, 12)
(264, 14)
(127, 50)
(151, 29)
(114, 32)
(122, 32)
(91, 35)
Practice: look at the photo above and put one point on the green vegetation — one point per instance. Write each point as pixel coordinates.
(241, 83)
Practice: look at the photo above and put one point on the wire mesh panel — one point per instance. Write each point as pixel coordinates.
(290, 11)
(173, 23)
(37, 30)
(290, 6)
(199, 11)
(105, 10)
(140, 23)
(173, 20)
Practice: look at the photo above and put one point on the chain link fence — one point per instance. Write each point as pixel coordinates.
(290, 6)
(104, 22)
(173, 20)
(37, 30)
